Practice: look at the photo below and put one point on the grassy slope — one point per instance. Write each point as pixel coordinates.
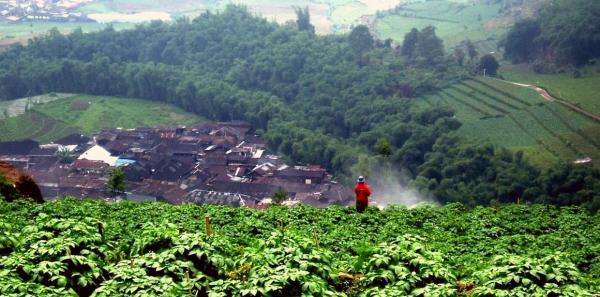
(519, 119)
(50, 121)
(583, 91)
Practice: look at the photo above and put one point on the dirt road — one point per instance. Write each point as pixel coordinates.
(551, 98)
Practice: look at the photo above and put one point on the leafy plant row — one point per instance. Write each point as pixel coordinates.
(89, 248)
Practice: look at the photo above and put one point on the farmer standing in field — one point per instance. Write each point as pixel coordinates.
(362, 192)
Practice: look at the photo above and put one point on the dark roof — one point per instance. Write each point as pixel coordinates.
(252, 189)
(116, 147)
(73, 139)
(217, 172)
(183, 148)
(254, 139)
(137, 171)
(290, 172)
(88, 164)
(235, 158)
(21, 147)
(171, 169)
(43, 162)
(43, 151)
(215, 159)
(155, 188)
(106, 135)
(174, 196)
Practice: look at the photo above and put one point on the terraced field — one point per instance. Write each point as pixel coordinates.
(519, 119)
(50, 121)
(34, 125)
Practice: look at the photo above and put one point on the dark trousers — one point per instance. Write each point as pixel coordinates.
(361, 206)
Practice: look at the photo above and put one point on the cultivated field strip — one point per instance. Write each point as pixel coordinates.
(475, 108)
(463, 111)
(483, 96)
(555, 134)
(525, 96)
(488, 103)
(574, 130)
(535, 136)
(487, 90)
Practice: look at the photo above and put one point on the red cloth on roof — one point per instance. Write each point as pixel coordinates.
(362, 192)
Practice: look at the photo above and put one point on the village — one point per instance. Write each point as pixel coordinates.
(42, 10)
(220, 163)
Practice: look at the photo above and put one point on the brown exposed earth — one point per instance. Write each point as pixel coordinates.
(80, 105)
(17, 184)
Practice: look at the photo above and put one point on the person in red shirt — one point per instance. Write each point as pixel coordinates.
(362, 192)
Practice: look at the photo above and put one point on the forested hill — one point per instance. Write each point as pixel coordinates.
(340, 101)
(566, 32)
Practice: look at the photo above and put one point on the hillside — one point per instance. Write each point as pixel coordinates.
(344, 102)
(520, 119)
(49, 121)
(74, 247)
(483, 22)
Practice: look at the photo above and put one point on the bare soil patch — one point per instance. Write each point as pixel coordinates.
(80, 105)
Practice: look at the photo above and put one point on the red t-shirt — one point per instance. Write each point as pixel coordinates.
(362, 192)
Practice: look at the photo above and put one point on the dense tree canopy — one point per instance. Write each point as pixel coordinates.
(488, 64)
(565, 32)
(423, 46)
(520, 44)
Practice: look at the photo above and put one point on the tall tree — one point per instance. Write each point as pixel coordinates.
(360, 41)
(409, 45)
(459, 55)
(383, 147)
(303, 20)
(488, 64)
(471, 50)
(116, 181)
(430, 47)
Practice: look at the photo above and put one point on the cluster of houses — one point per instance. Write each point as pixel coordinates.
(42, 10)
(222, 163)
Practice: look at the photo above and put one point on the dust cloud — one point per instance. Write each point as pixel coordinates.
(390, 186)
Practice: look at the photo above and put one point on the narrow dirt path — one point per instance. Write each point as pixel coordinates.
(551, 98)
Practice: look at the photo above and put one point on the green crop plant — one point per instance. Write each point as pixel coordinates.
(91, 248)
